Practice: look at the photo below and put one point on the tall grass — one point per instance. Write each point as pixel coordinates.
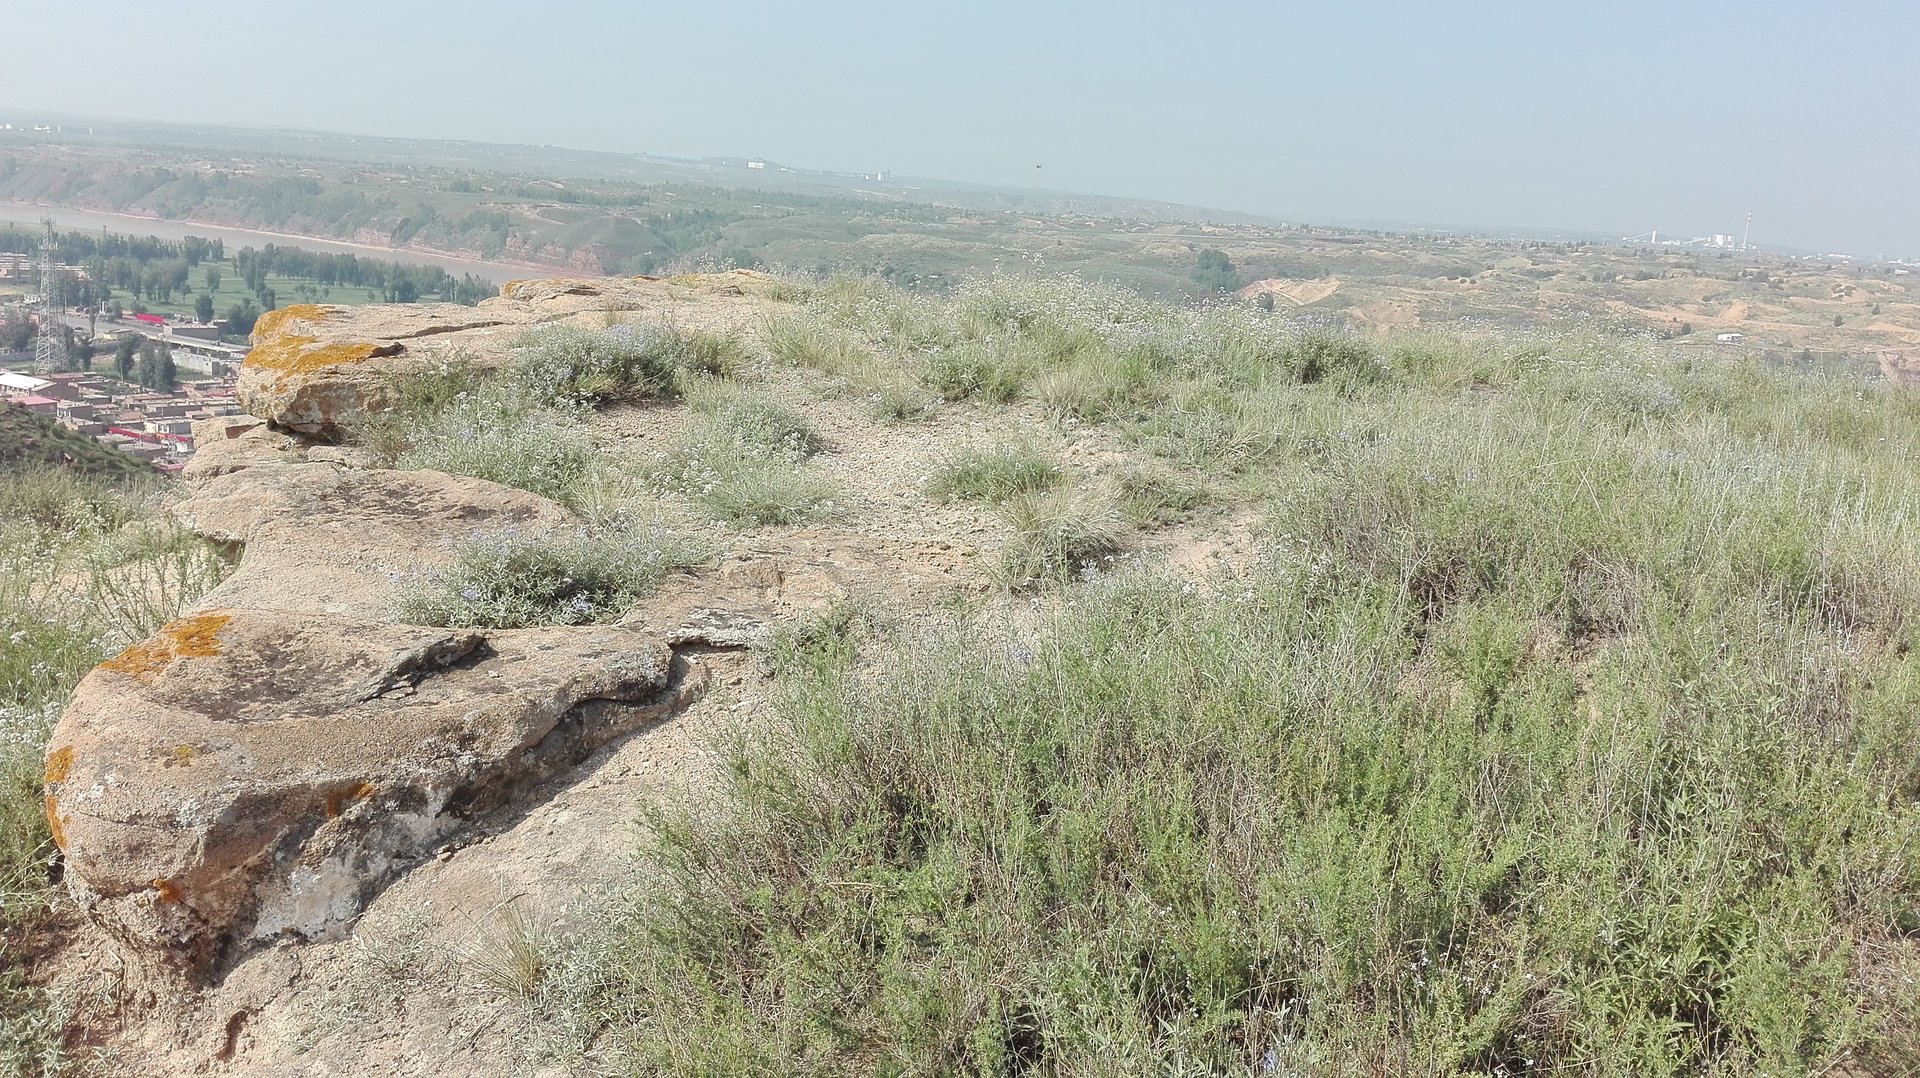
(1567, 726)
(992, 473)
(87, 567)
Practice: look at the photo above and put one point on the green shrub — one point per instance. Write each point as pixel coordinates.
(1103, 385)
(805, 341)
(992, 473)
(899, 402)
(758, 423)
(56, 501)
(562, 364)
(992, 369)
(754, 492)
(512, 579)
(499, 434)
(722, 355)
(1565, 725)
(742, 460)
(412, 398)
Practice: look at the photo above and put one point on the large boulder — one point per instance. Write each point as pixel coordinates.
(314, 367)
(261, 766)
(247, 775)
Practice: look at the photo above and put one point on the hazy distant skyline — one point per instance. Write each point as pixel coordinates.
(1621, 117)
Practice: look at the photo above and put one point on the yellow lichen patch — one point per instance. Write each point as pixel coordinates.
(179, 754)
(59, 762)
(195, 636)
(53, 823)
(167, 890)
(338, 800)
(294, 354)
(274, 322)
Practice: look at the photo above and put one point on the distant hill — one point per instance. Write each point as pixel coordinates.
(30, 439)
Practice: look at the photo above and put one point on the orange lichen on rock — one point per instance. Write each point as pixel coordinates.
(59, 762)
(195, 636)
(277, 348)
(295, 354)
(338, 800)
(168, 890)
(274, 322)
(54, 827)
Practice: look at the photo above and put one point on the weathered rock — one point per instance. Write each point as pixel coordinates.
(230, 443)
(321, 538)
(313, 367)
(264, 764)
(248, 775)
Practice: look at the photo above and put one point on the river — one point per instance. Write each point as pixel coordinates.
(66, 219)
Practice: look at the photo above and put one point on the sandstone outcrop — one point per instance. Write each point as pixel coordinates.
(249, 775)
(262, 766)
(328, 539)
(313, 366)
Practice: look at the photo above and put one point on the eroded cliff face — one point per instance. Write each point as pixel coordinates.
(260, 768)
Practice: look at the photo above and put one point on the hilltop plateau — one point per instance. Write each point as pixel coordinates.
(732, 673)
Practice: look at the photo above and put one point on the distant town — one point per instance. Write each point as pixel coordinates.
(154, 426)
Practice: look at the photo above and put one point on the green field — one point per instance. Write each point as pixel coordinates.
(233, 290)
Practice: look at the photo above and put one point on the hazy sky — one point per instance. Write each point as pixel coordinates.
(1616, 116)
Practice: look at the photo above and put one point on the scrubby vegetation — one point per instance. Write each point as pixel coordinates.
(1564, 726)
(511, 580)
(1563, 723)
(742, 459)
(993, 473)
(29, 442)
(87, 566)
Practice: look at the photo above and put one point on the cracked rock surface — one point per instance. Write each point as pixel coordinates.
(248, 775)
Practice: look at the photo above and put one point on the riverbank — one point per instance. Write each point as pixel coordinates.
(68, 218)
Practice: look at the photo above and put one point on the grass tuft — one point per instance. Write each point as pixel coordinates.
(742, 460)
(992, 474)
(1056, 534)
(631, 361)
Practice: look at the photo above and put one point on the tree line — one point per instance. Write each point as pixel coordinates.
(153, 270)
(396, 282)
